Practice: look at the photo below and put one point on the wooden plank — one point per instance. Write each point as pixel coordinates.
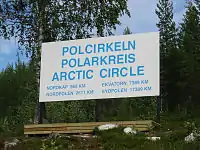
(60, 128)
(73, 128)
(61, 132)
(140, 126)
(90, 124)
(78, 127)
(86, 127)
(155, 123)
(71, 132)
(142, 129)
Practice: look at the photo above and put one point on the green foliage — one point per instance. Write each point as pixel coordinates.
(59, 20)
(34, 21)
(50, 145)
(4, 125)
(180, 69)
(113, 139)
(179, 56)
(167, 28)
(191, 127)
(128, 109)
(190, 46)
(176, 136)
(127, 31)
(127, 143)
(71, 111)
(18, 103)
(16, 107)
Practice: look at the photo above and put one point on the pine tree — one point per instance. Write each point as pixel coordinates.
(166, 25)
(190, 46)
(167, 29)
(197, 3)
(127, 31)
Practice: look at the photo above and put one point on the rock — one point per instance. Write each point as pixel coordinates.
(153, 138)
(129, 130)
(84, 136)
(190, 138)
(9, 144)
(107, 126)
(54, 135)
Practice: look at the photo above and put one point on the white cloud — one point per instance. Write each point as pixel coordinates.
(7, 46)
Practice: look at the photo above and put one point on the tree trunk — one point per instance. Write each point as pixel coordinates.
(41, 106)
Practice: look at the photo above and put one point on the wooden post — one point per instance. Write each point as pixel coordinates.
(42, 113)
(158, 108)
(97, 110)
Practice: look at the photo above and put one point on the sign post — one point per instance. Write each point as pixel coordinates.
(99, 68)
(158, 108)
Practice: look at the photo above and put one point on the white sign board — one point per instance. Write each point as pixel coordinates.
(98, 68)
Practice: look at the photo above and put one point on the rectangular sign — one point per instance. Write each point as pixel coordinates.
(98, 68)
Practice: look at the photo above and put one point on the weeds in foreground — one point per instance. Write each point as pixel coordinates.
(113, 139)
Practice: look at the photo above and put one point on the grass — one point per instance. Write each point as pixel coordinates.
(107, 141)
(116, 139)
(113, 139)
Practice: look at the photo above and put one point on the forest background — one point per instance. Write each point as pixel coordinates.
(36, 21)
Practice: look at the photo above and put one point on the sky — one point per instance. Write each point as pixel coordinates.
(143, 19)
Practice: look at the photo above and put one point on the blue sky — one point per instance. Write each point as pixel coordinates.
(143, 19)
